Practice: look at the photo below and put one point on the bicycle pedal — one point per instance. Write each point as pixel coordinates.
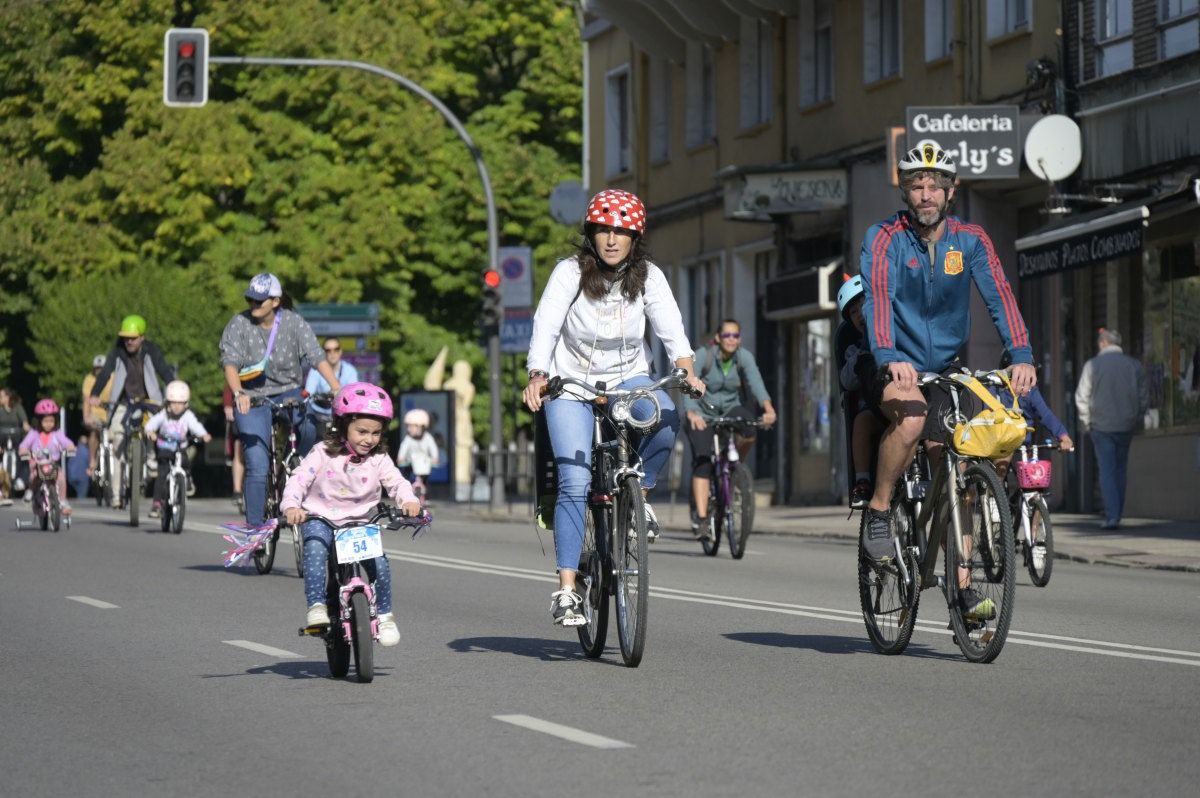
(314, 631)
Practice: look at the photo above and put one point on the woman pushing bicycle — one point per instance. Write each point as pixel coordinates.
(590, 324)
(340, 480)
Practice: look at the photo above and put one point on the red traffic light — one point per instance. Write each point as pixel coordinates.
(491, 279)
(187, 49)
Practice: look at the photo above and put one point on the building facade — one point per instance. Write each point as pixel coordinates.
(762, 135)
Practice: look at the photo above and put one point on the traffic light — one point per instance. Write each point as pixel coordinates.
(185, 67)
(491, 313)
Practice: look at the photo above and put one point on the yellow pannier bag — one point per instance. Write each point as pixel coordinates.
(997, 431)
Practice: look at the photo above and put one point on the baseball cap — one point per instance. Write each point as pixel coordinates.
(264, 286)
(98, 362)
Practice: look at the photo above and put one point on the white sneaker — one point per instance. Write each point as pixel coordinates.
(318, 615)
(1039, 557)
(28, 495)
(652, 528)
(389, 635)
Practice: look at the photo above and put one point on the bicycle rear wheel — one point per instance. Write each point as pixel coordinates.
(889, 600)
(590, 581)
(987, 561)
(740, 517)
(135, 478)
(364, 644)
(1039, 558)
(179, 506)
(632, 566)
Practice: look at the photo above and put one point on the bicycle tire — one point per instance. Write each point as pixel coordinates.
(42, 509)
(364, 643)
(889, 604)
(594, 633)
(1039, 519)
(135, 479)
(264, 556)
(179, 509)
(632, 567)
(991, 568)
(54, 509)
(337, 650)
(740, 514)
(710, 537)
(298, 548)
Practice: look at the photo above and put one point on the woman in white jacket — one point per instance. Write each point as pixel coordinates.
(590, 324)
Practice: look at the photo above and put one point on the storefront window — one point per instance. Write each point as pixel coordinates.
(1171, 335)
(815, 386)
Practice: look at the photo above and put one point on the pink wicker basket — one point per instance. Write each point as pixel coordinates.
(1033, 475)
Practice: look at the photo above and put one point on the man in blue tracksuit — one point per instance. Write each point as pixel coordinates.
(918, 267)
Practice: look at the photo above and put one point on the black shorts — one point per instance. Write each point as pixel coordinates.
(939, 421)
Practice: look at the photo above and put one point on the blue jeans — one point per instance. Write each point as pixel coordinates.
(254, 430)
(1112, 457)
(311, 431)
(570, 426)
(318, 539)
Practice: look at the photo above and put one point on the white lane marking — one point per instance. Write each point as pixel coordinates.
(261, 649)
(1126, 650)
(565, 732)
(91, 602)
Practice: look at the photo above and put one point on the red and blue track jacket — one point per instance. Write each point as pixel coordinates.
(918, 311)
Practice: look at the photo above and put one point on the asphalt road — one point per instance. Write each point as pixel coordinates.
(132, 662)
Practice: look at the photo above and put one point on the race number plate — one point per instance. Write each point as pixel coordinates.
(359, 543)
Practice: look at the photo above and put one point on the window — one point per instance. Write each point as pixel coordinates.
(816, 51)
(1179, 26)
(660, 110)
(881, 39)
(703, 303)
(617, 122)
(1170, 334)
(1007, 16)
(756, 51)
(939, 29)
(701, 95)
(1114, 36)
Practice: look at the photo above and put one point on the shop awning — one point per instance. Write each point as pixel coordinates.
(1101, 236)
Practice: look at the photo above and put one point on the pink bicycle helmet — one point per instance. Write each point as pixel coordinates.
(46, 407)
(363, 399)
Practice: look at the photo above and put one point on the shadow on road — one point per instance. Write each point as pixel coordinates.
(828, 644)
(314, 669)
(239, 570)
(533, 647)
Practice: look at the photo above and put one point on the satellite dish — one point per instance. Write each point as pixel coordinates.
(568, 201)
(1054, 147)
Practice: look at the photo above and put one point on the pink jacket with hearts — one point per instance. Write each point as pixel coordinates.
(342, 490)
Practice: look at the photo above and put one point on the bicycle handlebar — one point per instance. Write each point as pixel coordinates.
(731, 421)
(677, 379)
(396, 519)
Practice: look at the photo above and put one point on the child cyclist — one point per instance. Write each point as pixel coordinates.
(857, 366)
(46, 443)
(169, 429)
(418, 450)
(341, 480)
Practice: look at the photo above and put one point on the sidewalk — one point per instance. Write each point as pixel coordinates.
(1139, 543)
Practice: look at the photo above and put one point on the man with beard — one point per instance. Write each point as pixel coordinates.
(917, 267)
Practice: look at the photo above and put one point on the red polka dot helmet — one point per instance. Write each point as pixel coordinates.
(363, 399)
(617, 208)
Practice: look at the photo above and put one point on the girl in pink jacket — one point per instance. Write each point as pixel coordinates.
(342, 480)
(46, 443)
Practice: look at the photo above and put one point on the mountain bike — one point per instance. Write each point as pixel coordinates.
(615, 557)
(962, 508)
(174, 506)
(730, 489)
(349, 589)
(133, 466)
(1030, 512)
(284, 458)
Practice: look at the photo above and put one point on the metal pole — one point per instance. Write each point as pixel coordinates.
(494, 382)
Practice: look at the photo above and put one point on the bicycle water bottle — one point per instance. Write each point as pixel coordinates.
(731, 453)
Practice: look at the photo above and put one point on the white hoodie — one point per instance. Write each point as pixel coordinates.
(603, 339)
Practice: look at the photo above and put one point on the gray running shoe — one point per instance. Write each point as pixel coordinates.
(566, 607)
(877, 535)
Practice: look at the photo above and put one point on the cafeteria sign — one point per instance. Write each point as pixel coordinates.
(982, 140)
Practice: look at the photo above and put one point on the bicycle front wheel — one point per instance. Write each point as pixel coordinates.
(590, 582)
(632, 566)
(264, 555)
(364, 644)
(55, 510)
(710, 533)
(135, 479)
(1039, 551)
(981, 576)
(888, 598)
(298, 548)
(179, 506)
(740, 515)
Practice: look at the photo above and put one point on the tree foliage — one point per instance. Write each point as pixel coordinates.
(347, 187)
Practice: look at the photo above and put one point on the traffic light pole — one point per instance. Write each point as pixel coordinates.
(496, 447)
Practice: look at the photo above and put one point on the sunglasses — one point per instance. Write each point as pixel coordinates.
(731, 335)
(333, 349)
(255, 302)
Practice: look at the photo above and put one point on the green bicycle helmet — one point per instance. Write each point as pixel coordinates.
(132, 327)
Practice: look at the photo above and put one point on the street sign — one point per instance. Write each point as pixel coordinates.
(516, 330)
(516, 270)
(355, 329)
(984, 141)
(312, 311)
